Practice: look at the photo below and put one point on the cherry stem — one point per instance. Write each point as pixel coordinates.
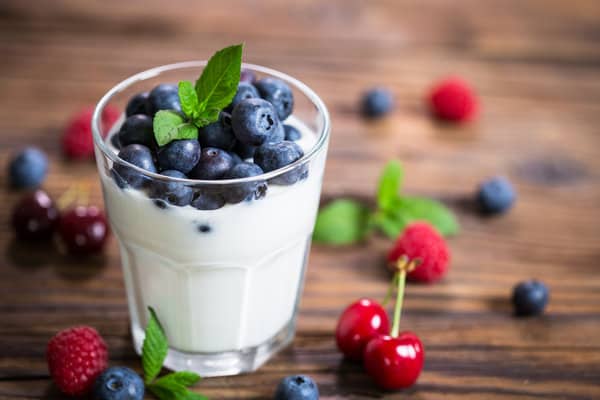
(401, 278)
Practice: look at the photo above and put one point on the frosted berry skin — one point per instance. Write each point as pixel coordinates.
(35, 216)
(530, 298)
(28, 169)
(76, 356)
(420, 241)
(297, 387)
(118, 383)
(394, 363)
(377, 103)
(496, 196)
(83, 230)
(360, 322)
(453, 100)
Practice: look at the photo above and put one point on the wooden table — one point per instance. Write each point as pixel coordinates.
(536, 66)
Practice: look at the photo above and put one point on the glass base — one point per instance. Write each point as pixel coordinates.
(223, 363)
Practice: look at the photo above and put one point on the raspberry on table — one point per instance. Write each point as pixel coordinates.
(77, 140)
(76, 356)
(453, 100)
(420, 241)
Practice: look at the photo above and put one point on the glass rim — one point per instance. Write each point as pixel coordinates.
(101, 144)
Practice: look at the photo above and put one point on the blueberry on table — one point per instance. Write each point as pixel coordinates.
(164, 97)
(377, 102)
(118, 383)
(137, 129)
(297, 387)
(496, 195)
(214, 164)
(138, 155)
(218, 134)
(278, 93)
(181, 155)
(291, 133)
(206, 200)
(244, 191)
(175, 193)
(28, 168)
(245, 91)
(254, 121)
(272, 156)
(530, 298)
(138, 104)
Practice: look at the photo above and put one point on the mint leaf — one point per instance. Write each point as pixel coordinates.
(169, 126)
(195, 396)
(188, 99)
(154, 348)
(218, 83)
(173, 386)
(166, 392)
(412, 209)
(184, 378)
(390, 224)
(206, 118)
(342, 222)
(389, 185)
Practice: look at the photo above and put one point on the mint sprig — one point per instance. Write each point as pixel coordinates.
(346, 221)
(173, 386)
(201, 102)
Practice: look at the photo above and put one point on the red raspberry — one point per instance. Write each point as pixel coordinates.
(421, 241)
(77, 140)
(453, 100)
(76, 356)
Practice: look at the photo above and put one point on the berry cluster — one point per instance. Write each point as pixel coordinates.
(249, 139)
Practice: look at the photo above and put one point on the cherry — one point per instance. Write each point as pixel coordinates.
(35, 216)
(83, 230)
(395, 361)
(359, 323)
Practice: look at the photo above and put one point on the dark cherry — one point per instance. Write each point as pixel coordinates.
(35, 216)
(360, 322)
(394, 362)
(83, 230)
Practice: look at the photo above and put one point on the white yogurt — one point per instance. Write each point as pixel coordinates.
(231, 288)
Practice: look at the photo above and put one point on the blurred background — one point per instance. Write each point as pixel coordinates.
(535, 68)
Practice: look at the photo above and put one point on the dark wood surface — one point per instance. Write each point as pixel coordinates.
(536, 66)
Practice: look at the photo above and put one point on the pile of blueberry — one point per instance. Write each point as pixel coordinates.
(249, 139)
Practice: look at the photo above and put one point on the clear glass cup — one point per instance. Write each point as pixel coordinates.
(225, 283)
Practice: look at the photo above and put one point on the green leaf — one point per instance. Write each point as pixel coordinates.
(411, 209)
(342, 222)
(154, 348)
(389, 185)
(188, 99)
(184, 378)
(195, 396)
(206, 118)
(169, 125)
(173, 392)
(218, 83)
(391, 224)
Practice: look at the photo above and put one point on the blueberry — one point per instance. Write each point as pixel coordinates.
(138, 104)
(297, 387)
(272, 156)
(164, 97)
(377, 102)
(244, 151)
(277, 134)
(245, 91)
(207, 200)
(172, 192)
(138, 155)
(213, 164)
(218, 134)
(247, 75)
(114, 140)
(496, 195)
(28, 168)
(181, 155)
(530, 298)
(118, 383)
(204, 228)
(291, 133)
(254, 121)
(235, 157)
(279, 94)
(137, 129)
(248, 190)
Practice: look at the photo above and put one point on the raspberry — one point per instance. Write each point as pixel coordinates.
(76, 356)
(421, 241)
(77, 141)
(453, 100)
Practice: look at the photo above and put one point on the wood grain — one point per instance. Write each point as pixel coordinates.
(536, 66)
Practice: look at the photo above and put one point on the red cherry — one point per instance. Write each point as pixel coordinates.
(394, 362)
(359, 323)
(83, 230)
(35, 216)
